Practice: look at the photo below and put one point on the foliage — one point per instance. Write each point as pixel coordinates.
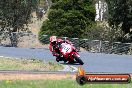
(14, 14)
(120, 14)
(103, 32)
(69, 18)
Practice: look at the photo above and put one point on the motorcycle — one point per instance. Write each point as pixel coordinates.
(69, 53)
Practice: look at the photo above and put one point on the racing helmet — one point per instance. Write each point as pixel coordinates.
(53, 39)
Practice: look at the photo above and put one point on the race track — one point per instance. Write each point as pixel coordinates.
(94, 62)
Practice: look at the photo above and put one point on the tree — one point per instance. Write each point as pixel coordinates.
(101, 10)
(120, 14)
(69, 18)
(14, 14)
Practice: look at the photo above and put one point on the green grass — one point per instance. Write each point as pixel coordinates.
(28, 64)
(56, 84)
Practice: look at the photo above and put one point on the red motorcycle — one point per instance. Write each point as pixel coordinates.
(69, 53)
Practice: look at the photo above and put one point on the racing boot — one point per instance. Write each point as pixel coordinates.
(58, 59)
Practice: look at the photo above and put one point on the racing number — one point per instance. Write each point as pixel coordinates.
(66, 48)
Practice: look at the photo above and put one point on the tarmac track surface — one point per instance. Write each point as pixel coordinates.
(94, 62)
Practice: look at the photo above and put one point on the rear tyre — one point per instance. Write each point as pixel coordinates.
(78, 59)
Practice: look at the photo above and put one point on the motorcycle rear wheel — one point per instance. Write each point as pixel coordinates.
(78, 59)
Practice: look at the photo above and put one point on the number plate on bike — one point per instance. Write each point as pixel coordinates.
(66, 48)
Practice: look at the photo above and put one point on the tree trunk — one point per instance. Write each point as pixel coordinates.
(99, 10)
(13, 38)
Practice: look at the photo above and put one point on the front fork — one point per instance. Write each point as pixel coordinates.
(76, 54)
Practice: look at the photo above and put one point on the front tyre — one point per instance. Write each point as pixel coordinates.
(78, 59)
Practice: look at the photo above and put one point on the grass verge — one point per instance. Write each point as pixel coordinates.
(28, 64)
(65, 83)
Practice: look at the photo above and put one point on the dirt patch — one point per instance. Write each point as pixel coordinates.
(10, 76)
(20, 76)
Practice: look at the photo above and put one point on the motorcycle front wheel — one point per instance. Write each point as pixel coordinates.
(78, 59)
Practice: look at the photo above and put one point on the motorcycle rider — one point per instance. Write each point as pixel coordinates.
(54, 47)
